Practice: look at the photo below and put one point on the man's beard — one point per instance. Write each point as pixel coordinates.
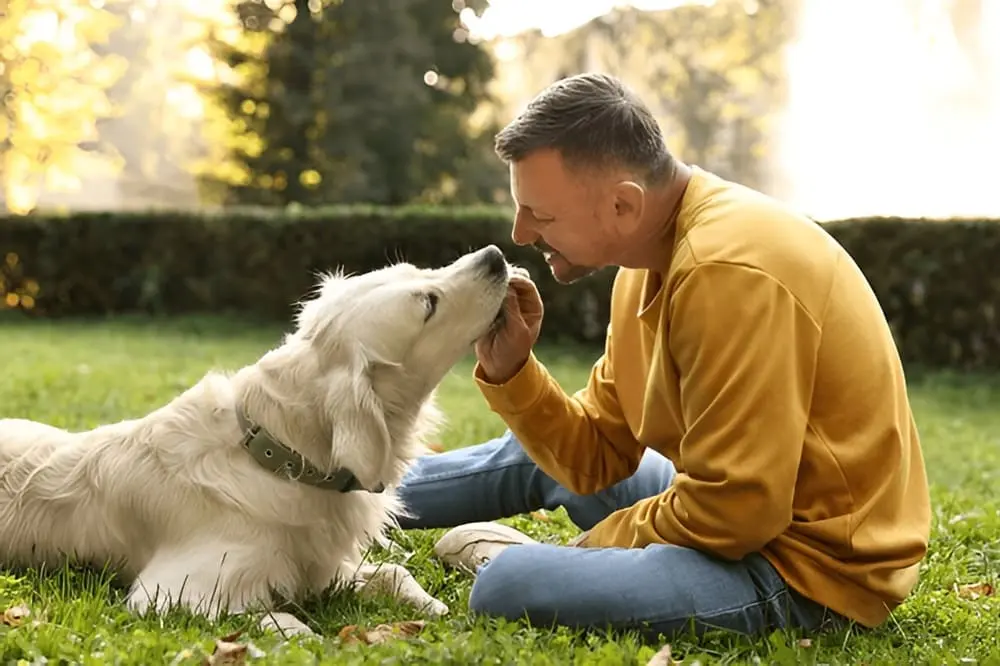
(574, 274)
(571, 273)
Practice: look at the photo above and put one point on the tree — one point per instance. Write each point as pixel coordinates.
(353, 101)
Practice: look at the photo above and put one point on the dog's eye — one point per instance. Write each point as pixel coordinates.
(432, 303)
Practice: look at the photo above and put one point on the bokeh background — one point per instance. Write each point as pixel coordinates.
(846, 108)
(181, 155)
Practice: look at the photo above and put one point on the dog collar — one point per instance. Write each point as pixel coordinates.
(282, 461)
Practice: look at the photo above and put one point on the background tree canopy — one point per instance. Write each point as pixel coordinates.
(256, 102)
(119, 104)
(355, 101)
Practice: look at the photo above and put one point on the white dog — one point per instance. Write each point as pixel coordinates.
(273, 479)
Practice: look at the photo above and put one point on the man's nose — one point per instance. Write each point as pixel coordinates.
(522, 233)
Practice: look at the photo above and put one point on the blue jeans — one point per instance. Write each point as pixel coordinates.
(659, 589)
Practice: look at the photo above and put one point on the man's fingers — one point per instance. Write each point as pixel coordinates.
(519, 282)
(512, 303)
(525, 289)
(519, 273)
(529, 301)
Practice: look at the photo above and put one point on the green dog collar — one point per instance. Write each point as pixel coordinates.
(282, 461)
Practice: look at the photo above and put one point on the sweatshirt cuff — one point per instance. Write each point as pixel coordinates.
(518, 394)
(608, 533)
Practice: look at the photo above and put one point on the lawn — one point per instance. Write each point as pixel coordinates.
(78, 375)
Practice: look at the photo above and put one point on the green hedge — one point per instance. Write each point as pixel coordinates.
(259, 262)
(936, 280)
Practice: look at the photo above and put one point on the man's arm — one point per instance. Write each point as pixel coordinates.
(582, 441)
(746, 351)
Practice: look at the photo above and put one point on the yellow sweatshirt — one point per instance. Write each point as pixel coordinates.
(761, 364)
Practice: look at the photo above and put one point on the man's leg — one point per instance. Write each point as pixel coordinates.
(497, 479)
(659, 589)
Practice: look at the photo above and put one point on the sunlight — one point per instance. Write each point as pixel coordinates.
(900, 123)
(41, 27)
(55, 30)
(505, 18)
(905, 120)
(200, 17)
(186, 100)
(60, 31)
(905, 108)
(200, 63)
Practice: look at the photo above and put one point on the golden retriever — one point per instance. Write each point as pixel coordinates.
(273, 479)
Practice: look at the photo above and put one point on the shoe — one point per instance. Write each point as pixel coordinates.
(470, 546)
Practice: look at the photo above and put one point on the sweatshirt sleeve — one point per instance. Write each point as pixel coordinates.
(745, 351)
(580, 440)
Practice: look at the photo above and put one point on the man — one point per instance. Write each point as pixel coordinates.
(743, 456)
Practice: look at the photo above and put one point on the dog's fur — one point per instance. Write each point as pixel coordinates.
(176, 505)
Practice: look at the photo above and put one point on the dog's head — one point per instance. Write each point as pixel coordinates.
(417, 320)
(368, 352)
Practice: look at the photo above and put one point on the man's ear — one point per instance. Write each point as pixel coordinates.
(360, 439)
(629, 201)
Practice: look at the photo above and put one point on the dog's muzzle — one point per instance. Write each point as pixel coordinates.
(492, 260)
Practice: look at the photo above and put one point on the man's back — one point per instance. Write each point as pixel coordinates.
(762, 365)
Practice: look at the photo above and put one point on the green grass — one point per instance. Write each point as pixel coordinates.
(78, 375)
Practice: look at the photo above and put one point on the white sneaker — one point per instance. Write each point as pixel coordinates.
(470, 546)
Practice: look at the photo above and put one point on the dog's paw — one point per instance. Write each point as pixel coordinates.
(434, 608)
(286, 624)
(397, 582)
(141, 600)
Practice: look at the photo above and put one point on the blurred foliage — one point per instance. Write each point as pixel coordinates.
(713, 73)
(156, 131)
(53, 90)
(313, 102)
(935, 280)
(132, 104)
(341, 101)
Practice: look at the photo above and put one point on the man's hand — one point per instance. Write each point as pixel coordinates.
(503, 353)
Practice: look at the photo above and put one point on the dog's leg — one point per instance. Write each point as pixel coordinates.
(212, 578)
(397, 582)
(207, 576)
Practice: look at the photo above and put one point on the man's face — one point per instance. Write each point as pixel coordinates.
(566, 215)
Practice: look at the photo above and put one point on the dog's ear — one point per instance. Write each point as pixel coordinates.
(360, 439)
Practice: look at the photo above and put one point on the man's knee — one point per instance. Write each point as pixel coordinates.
(505, 587)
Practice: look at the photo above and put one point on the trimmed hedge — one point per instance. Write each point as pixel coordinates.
(935, 279)
(259, 261)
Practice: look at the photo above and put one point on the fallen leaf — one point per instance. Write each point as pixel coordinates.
(15, 615)
(352, 633)
(228, 654)
(663, 658)
(974, 590)
(540, 515)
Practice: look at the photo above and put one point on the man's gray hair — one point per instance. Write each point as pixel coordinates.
(594, 121)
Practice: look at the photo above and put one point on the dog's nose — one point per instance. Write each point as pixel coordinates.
(492, 258)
